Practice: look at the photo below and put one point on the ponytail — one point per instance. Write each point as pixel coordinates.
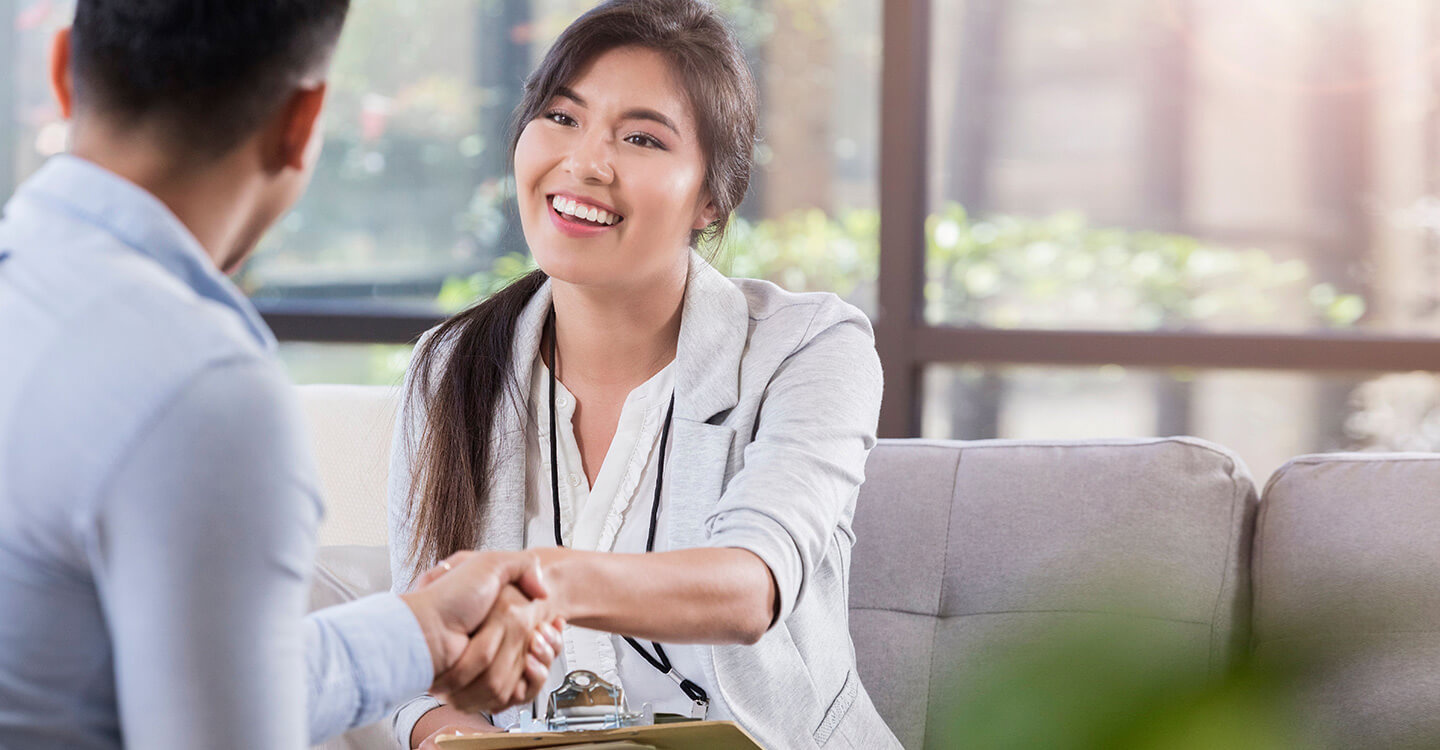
(450, 474)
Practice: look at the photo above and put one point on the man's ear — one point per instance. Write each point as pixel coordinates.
(294, 127)
(61, 84)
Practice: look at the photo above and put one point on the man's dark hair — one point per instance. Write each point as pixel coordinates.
(207, 73)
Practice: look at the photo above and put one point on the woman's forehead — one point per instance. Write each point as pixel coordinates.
(627, 79)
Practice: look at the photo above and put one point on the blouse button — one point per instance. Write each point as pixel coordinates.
(574, 481)
(562, 401)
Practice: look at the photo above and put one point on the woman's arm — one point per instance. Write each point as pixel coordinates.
(446, 720)
(775, 521)
(706, 595)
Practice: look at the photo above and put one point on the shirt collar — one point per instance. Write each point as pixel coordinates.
(130, 214)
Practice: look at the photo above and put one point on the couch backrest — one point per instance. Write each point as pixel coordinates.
(1347, 560)
(351, 427)
(959, 543)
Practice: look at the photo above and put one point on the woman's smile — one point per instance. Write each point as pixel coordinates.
(579, 217)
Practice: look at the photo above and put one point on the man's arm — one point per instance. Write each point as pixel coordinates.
(362, 659)
(203, 546)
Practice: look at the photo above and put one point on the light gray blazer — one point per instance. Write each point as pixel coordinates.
(777, 397)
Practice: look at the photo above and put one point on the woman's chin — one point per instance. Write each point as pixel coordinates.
(579, 267)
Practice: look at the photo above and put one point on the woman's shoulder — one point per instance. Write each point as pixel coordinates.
(777, 312)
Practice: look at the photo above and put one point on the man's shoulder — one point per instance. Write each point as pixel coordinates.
(133, 313)
(100, 358)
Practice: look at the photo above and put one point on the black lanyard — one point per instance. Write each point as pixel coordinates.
(660, 661)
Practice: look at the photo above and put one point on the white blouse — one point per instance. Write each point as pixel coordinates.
(612, 516)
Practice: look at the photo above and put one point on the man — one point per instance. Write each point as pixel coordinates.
(158, 505)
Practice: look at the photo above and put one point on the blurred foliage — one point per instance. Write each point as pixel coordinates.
(460, 292)
(1114, 684)
(808, 251)
(1008, 272)
(357, 364)
(1061, 272)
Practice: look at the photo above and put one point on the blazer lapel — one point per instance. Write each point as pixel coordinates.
(714, 327)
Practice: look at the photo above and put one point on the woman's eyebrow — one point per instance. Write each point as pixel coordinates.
(638, 113)
(653, 116)
(570, 94)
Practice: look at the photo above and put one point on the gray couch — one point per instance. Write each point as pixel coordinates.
(961, 543)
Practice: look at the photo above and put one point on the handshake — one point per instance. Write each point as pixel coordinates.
(492, 631)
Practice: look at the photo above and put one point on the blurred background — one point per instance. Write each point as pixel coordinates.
(1068, 218)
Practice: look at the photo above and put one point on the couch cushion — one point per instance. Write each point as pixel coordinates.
(1347, 555)
(960, 543)
(350, 427)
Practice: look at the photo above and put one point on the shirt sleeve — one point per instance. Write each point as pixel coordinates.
(363, 658)
(203, 546)
(803, 468)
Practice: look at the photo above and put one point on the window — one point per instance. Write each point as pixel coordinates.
(1208, 217)
(410, 203)
(1247, 188)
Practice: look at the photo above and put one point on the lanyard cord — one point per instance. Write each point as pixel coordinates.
(660, 661)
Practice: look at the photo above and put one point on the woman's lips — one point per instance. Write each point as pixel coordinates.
(573, 227)
(585, 208)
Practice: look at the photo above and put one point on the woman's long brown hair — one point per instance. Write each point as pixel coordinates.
(471, 351)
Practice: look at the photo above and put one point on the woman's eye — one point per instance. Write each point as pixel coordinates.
(560, 118)
(640, 139)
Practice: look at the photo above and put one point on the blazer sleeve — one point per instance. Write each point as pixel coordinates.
(815, 427)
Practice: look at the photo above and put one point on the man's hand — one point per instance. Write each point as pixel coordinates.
(453, 600)
(505, 664)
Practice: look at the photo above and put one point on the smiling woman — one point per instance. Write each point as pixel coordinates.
(680, 450)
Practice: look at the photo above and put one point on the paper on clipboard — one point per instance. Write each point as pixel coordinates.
(688, 735)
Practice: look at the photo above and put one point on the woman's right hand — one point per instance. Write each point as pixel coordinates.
(511, 652)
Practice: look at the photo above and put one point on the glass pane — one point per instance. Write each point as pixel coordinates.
(411, 202)
(412, 197)
(353, 364)
(1224, 165)
(1265, 417)
(30, 126)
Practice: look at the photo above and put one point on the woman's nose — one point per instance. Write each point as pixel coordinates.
(591, 160)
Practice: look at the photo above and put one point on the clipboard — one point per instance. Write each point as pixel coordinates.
(686, 735)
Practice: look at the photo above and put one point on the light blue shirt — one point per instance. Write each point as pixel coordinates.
(158, 501)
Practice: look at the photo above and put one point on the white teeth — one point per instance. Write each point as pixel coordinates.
(579, 210)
